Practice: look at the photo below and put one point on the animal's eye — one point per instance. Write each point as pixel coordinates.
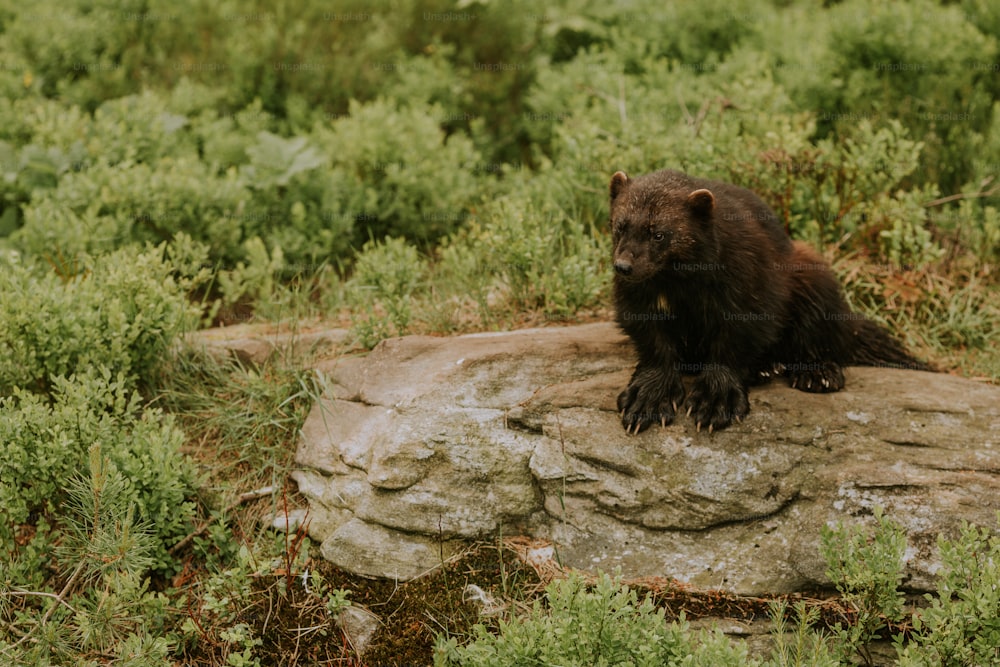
(657, 236)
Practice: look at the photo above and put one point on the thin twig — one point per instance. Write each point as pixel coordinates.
(965, 195)
(60, 597)
(42, 595)
(65, 591)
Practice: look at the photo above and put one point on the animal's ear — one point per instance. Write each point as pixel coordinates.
(618, 182)
(701, 202)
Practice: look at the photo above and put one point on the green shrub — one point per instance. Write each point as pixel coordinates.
(832, 191)
(297, 201)
(26, 170)
(710, 30)
(313, 55)
(805, 647)
(225, 137)
(46, 443)
(497, 57)
(962, 624)
(253, 279)
(121, 311)
(104, 552)
(386, 274)
(971, 224)
(110, 206)
(867, 569)
(70, 49)
(139, 191)
(133, 128)
(579, 625)
(538, 256)
(923, 63)
(138, 128)
(396, 173)
(862, 178)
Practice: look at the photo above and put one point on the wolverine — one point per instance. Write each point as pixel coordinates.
(707, 283)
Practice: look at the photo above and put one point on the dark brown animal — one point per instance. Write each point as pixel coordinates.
(707, 283)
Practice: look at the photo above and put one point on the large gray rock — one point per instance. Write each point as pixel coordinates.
(427, 442)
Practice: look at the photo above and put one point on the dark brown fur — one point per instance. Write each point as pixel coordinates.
(708, 283)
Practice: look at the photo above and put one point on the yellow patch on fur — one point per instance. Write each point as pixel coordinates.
(662, 303)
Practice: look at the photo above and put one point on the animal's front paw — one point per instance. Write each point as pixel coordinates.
(818, 377)
(651, 396)
(717, 400)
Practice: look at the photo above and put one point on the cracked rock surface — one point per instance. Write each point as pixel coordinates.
(428, 442)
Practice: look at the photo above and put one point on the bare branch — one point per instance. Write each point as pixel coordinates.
(967, 195)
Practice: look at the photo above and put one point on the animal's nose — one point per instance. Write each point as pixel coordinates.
(623, 267)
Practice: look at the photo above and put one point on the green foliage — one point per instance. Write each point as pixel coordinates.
(254, 278)
(805, 647)
(916, 61)
(316, 130)
(579, 625)
(856, 187)
(274, 160)
(606, 624)
(45, 443)
(105, 552)
(538, 256)
(904, 236)
(396, 170)
(962, 624)
(972, 224)
(867, 570)
(28, 168)
(385, 276)
(120, 311)
(104, 537)
(102, 208)
(292, 183)
(137, 128)
(82, 60)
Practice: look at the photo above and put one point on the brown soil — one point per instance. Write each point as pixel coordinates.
(411, 613)
(480, 585)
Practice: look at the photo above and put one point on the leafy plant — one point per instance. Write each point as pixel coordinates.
(580, 625)
(255, 278)
(46, 443)
(121, 311)
(538, 256)
(386, 274)
(292, 183)
(962, 624)
(398, 173)
(806, 647)
(935, 88)
(274, 160)
(106, 550)
(867, 570)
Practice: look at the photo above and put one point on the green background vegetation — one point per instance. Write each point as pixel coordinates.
(395, 167)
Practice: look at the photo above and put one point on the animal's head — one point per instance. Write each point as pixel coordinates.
(659, 224)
